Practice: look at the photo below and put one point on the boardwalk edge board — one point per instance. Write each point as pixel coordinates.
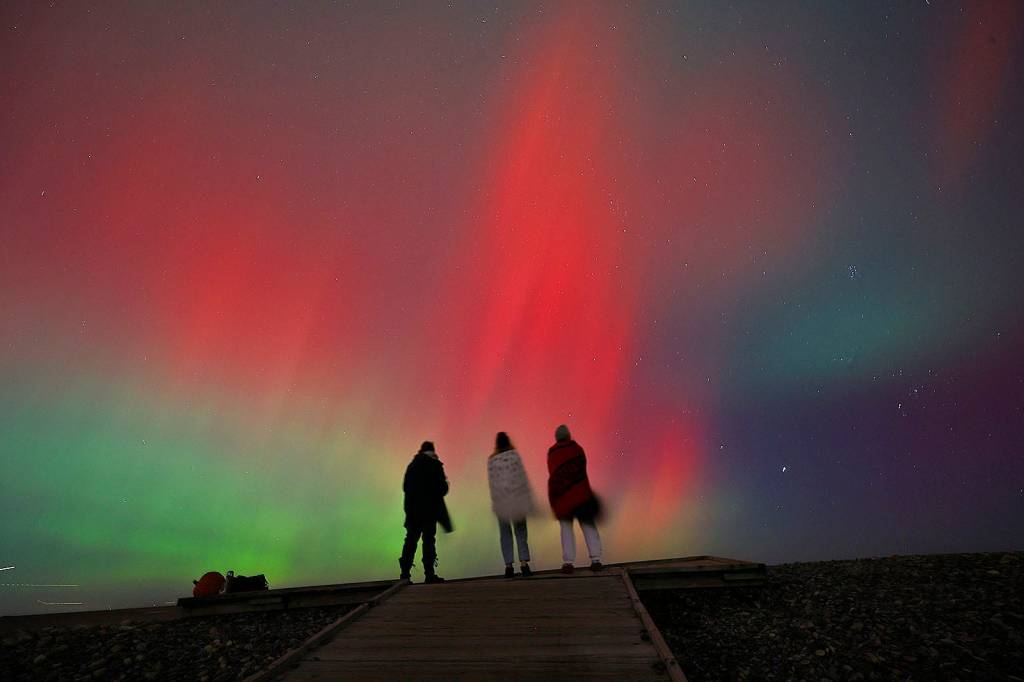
(672, 667)
(281, 599)
(275, 669)
(701, 571)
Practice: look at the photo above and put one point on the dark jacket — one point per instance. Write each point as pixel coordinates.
(425, 486)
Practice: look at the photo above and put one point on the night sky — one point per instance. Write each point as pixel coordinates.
(763, 258)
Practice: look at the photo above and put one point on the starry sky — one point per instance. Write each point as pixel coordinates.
(762, 258)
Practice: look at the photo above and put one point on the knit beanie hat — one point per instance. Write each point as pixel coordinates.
(562, 432)
(427, 446)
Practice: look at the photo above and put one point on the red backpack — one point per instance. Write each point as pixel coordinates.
(209, 585)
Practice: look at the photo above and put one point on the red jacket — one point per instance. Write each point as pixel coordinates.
(568, 486)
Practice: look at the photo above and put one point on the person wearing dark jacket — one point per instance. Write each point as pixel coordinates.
(571, 498)
(425, 486)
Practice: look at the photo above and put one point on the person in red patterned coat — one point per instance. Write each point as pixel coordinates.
(571, 498)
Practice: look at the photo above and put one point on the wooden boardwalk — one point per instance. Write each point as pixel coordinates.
(584, 626)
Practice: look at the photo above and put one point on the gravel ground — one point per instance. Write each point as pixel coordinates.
(941, 617)
(210, 648)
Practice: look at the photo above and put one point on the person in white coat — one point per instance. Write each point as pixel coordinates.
(512, 501)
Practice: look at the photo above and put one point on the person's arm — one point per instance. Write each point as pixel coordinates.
(519, 469)
(444, 480)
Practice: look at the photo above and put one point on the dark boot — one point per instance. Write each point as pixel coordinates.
(428, 570)
(430, 554)
(525, 570)
(406, 567)
(509, 571)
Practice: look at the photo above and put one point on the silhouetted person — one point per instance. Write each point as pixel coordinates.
(511, 500)
(571, 498)
(425, 486)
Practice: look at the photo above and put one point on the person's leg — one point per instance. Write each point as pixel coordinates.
(412, 536)
(593, 541)
(522, 541)
(429, 531)
(505, 533)
(568, 541)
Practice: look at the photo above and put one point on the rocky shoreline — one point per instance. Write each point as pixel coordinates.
(948, 617)
(229, 647)
(936, 617)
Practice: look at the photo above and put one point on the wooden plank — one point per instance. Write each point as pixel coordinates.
(525, 597)
(512, 593)
(646, 583)
(388, 593)
(698, 568)
(734, 561)
(744, 577)
(511, 606)
(501, 587)
(616, 624)
(477, 670)
(549, 574)
(702, 559)
(709, 572)
(672, 667)
(580, 626)
(373, 587)
(294, 655)
(496, 653)
(575, 628)
(430, 640)
(278, 603)
(536, 581)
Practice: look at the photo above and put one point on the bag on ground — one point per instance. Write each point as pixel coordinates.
(209, 585)
(242, 583)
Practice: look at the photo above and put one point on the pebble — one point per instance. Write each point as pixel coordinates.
(900, 617)
(935, 617)
(168, 650)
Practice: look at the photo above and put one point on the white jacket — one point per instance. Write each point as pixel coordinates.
(511, 495)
